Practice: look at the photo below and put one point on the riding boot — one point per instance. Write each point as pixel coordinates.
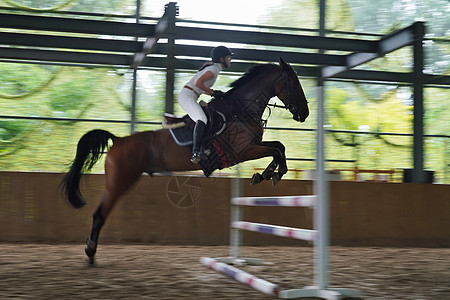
(197, 138)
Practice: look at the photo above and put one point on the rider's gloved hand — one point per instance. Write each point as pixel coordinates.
(218, 94)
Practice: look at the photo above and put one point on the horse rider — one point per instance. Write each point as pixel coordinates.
(201, 83)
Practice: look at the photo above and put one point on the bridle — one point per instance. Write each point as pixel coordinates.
(287, 84)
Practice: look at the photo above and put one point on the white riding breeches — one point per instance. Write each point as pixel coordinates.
(187, 99)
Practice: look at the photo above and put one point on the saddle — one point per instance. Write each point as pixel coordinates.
(182, 128)
(173, 122)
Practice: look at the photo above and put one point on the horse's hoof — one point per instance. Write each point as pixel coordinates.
(276, 177)
(90, 249)
(91, 262)
(257, 178)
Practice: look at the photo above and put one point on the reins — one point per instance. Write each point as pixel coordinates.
(277, 106)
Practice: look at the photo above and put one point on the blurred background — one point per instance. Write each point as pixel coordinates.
(46, 108)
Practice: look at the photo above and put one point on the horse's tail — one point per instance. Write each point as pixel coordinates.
(90, 148)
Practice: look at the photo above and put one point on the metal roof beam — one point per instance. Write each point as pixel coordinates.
(258, 55)
(116, 46)
(58, 24)
(92, 59)
(436, 80)
(398, 39)
(66, 56)
(75, 25)
(62, 42)
(352, 60)
(274, 39)
(392, 42)
(310, 71)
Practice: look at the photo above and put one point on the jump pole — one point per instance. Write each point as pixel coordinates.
(259, 284)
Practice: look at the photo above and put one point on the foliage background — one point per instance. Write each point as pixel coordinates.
(104, 93)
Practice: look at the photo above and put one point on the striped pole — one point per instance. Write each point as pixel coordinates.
(259, 284)
(304, 201)
(295, 233)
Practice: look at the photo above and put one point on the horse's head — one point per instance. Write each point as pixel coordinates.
(289, 90)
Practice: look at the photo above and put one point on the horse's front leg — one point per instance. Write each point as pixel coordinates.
(281, 158)
(281, 161)
(278, 161)
(264, 149)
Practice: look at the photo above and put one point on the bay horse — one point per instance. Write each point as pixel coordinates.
(156, 151)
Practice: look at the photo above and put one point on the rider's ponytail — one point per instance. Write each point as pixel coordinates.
(207, 64)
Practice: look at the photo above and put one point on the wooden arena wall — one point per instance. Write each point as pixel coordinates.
(195, 211)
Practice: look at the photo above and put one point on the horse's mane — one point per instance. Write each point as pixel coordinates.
(252, 73)
(244, 79)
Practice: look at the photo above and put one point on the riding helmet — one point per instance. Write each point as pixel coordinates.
(218, 52)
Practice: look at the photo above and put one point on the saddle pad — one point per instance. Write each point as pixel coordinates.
(183, 135)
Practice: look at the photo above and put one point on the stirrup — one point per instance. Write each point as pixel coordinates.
(196, 158)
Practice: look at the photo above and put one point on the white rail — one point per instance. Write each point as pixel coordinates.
(259, 284)
(290, 201)
(295, 233)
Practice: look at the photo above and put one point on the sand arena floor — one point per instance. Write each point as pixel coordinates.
(42, 271)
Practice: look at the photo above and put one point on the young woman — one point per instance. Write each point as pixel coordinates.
(201, 83)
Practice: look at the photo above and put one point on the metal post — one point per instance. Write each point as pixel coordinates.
(356, 150)
(171, 9)
(133, 92)
(133, 101)
(320, 184)
(235, 215)
(418, 153)
(321, 190)
(446, 161)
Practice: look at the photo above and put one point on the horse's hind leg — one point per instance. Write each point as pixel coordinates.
(99, 219)
(117, 183)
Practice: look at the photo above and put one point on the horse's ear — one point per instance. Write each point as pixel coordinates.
(283, 63)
